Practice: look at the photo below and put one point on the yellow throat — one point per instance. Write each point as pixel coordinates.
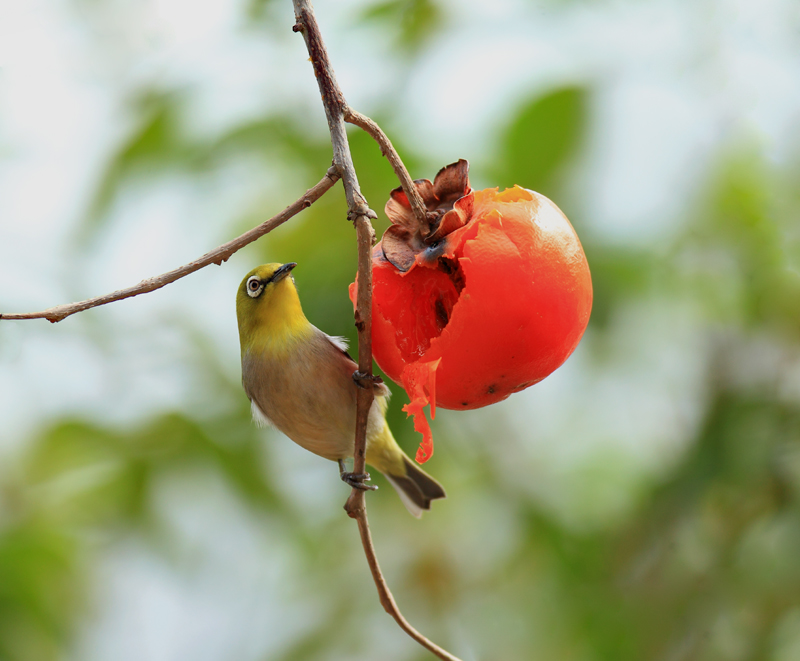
(272, 320)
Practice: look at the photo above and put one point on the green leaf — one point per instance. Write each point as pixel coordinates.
(542, 139)
(257, 10)
(746, 267)
(40, 591)
(153, 145)
(280, 138)
(415, 22)
(618, 274)
(88, 475)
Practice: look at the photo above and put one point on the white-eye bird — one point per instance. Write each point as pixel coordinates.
(300, 380)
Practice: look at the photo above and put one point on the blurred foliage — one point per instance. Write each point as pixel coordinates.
(79, 479)
(705, 566)
(258, 9)
(112, 471)
(741, 240)
(159, 144)
(41, 588)
(414, 22)
(154, 145)
(542, 139)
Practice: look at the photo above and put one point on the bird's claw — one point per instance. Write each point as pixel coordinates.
(366, 381)
(356, 480)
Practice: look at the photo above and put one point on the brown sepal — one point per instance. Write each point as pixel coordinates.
(396, 244)
(454, 219)
(452, 183)
(398, 208)
(449, 205)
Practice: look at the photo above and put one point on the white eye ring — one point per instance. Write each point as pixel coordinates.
(254, 286)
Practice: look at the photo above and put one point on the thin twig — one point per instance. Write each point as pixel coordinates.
(387, 600)
(334, 104)
(360, 214)
(387, 149)
(216, 256)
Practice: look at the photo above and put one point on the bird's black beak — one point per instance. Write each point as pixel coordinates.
(283, 271)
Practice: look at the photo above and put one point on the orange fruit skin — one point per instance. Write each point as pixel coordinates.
(512, 313)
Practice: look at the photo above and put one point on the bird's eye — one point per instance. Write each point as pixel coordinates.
(254, 286)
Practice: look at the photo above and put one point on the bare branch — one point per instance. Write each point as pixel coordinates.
(216, 256)
(387, 149)
(387, 599)
(365, 396)
(333, 101)
(359, 212)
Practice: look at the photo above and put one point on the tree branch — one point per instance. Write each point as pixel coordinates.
(387, 149)
(336, 111)
(216, 256)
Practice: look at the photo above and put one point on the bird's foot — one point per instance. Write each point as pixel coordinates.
(366, 381)
(356, 480)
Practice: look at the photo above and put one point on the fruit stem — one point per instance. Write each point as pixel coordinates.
(418, 207)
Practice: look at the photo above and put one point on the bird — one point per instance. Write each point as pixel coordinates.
(300, 380)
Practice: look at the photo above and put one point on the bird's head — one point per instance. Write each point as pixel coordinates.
(268, 307)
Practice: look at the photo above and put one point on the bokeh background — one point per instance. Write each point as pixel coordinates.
(642, 503)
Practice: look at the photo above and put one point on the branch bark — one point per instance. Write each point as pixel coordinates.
(336, 111)
(216, 256)
(387, 149)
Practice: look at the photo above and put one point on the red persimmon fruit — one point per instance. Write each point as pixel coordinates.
(484, 299)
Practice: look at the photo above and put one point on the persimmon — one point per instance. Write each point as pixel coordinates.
(485, 299)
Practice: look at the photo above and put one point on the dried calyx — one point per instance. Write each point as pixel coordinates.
(449, 203)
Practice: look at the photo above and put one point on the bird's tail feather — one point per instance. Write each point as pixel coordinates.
(416, 488)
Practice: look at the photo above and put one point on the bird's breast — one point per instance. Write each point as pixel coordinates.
(307, 393)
